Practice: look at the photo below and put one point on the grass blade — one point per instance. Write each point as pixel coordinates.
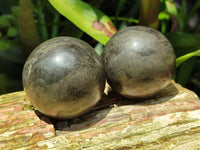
(119, 7)
(126, 19)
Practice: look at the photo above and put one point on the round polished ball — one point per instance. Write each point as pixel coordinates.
(64, 77)
(139, 61)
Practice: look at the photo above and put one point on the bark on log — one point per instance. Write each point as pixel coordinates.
(169, 121)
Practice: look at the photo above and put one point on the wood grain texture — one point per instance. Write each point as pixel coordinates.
(169, 121)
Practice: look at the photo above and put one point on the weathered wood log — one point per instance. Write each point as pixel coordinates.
(169, 121)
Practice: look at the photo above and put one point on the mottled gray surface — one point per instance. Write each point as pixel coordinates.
(63, 77)
(139, 61)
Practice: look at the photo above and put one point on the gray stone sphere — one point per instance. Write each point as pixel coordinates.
(63, 77)
(139, 61)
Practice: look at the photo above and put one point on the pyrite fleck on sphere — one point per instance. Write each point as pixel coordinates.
(64, 77)
(139, 61)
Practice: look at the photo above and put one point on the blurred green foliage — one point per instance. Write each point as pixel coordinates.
(177, 19)
(11, 59)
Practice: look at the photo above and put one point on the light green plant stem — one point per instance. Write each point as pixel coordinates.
(87, 18)
(185, 57)
(125, 19)
(55, 25)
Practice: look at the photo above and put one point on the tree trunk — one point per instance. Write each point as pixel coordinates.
(169, 121)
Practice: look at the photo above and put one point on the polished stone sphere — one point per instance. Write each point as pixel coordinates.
(139, 61)
(64, 77)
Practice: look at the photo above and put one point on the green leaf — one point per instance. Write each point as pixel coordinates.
(4, 45)
(10, 50)
(183, 58)
(185, 71)
(171, 7)
(181, 15)
(5, 20)
(196, 82)
(15, 10)
(87, 18)
(182, 40)
(12, 32)
(163, 16)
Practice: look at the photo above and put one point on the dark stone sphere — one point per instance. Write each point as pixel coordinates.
(139, 61)
(64, 77)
